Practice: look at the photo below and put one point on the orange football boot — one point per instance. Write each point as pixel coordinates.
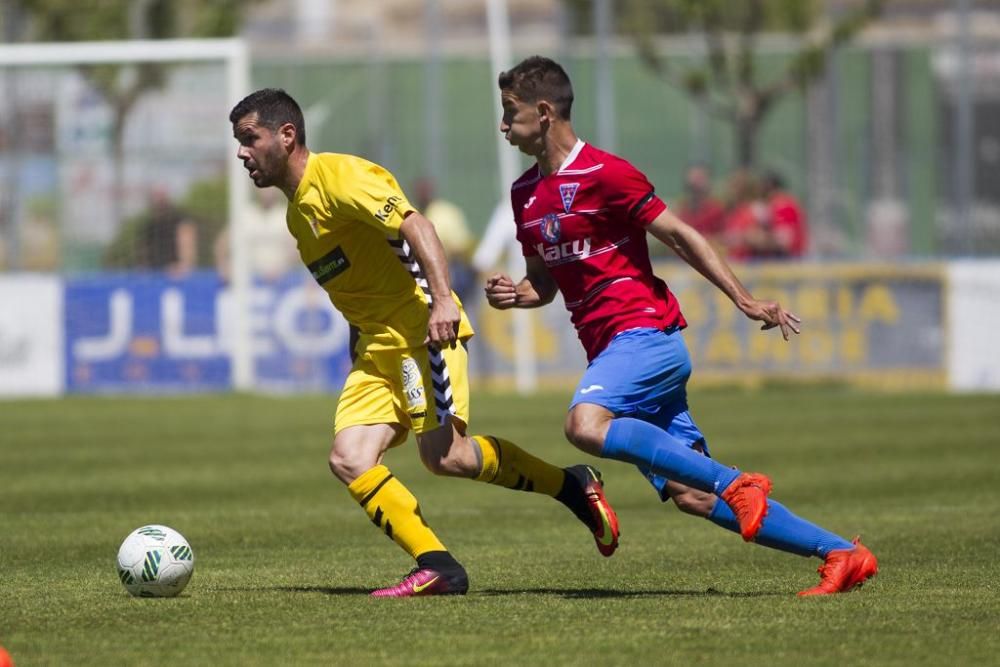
(597, 514)
(844, 570)
(747, 497)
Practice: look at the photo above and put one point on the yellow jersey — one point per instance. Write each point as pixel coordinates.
(345, 217)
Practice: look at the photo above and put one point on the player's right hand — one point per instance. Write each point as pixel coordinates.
(501, 293)
(773, 315)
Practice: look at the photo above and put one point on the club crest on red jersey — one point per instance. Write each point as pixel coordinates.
(568, 191)
(551, 228)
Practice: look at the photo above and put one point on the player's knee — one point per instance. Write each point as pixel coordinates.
(585, 432)
(345, 467)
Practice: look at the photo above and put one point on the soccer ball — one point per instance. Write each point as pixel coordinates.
(155, 562)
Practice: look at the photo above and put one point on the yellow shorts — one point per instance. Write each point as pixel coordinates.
(417, 387)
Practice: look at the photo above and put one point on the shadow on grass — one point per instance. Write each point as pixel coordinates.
(619, 593)
(568, 593)
(328, 590)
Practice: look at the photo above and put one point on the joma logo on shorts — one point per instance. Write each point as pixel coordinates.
(329, 266)
(390, 205)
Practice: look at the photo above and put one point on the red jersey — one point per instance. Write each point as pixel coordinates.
(588, 222)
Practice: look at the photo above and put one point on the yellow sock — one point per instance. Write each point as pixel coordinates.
(395, 510)
(506, 464)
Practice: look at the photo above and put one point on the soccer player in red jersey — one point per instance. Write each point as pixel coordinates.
(582, 216)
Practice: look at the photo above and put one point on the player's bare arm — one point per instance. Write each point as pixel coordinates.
(536, 289)
(702, 257)
(442, 327)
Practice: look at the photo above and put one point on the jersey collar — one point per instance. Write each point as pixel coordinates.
(580, 143)
(301, 189)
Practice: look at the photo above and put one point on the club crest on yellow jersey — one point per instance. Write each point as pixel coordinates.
(314, 226)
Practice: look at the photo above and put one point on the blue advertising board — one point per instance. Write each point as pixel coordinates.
(146, 332)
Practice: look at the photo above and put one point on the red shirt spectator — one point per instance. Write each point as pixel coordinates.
(768, 225)
(788, 223)
(698, 208)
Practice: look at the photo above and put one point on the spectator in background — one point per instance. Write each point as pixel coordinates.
(788, 220)
(169, 241)
(271, 249)
(699, 208)
(745, 216)
(763, 221)
(449, 221)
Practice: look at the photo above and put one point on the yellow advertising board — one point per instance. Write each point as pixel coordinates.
(867, 324)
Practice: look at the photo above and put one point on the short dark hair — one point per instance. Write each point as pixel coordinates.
(539, 78)
(274, 107)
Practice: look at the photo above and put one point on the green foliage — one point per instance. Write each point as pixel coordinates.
(76, 20)
(683, 16)
(728, 78)
(123, 251)
(284, 558)
(82, 20)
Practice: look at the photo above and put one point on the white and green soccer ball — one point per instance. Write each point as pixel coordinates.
(155, 562)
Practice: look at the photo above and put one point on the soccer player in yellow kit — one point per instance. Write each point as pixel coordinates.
(382, 264)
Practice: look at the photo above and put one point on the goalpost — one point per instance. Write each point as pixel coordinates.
(501, 224)
(34, 67)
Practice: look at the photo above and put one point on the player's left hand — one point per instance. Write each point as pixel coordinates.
(442, 327)
(772, 315)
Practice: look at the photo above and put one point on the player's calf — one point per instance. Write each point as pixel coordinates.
(690, 500)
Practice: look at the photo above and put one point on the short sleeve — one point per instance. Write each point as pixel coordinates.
(527, 249)
(631, 196)
(369, 193)
(516, 204)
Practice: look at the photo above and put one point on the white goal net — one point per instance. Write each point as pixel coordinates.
(125, 263)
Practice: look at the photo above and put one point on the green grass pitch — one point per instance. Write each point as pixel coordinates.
(285, 557)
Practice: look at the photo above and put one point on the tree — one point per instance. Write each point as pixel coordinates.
(121, 86)
(728, 83)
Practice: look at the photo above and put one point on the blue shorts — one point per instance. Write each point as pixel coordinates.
(643, 374)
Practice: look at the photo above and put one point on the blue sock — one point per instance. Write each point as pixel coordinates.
(654, 449)
(784, 531)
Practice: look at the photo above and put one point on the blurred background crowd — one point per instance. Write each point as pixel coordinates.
(782, 129)
(797, 134)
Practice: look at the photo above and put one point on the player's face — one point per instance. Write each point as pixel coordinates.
(521, 124)
(262, 151)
